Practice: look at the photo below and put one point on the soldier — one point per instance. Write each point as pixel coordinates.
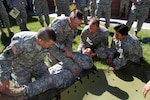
(4, 17)
(139, 10)
(93, 7)
(21, 19)
(65, 29)
(104, 9)
(124, 48)
(124, 4)
(24, 57)
(1, 30)
(41, 8)
(58, 77)
(83, 6)
(94, 37)
(62, 7)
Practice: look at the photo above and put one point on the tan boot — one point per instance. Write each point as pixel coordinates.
(14, 92)
(6, 97)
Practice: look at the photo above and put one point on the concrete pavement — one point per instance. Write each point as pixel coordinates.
(115, 21)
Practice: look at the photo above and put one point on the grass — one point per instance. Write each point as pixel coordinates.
(34, 25)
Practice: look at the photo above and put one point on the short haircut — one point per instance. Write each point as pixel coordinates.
(76, 13)
(46, 34)
(94, 20)
(122, 29)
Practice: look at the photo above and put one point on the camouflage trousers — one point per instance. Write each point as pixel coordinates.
(58, 77)
(104, 11)
(62, 8)
(141, 14)
(93, 7)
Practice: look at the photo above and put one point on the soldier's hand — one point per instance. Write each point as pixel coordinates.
(4, 85)
(146, 89)
(89, 52)
(111, 68)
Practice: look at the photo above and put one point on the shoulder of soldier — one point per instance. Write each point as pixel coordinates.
(59, 19)
(103, 29)
(132, 39)
(24, 35)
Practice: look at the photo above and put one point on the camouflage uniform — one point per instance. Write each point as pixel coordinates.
(83, 5)
(93, 7)
(4, 15)
(127, 50)
(124, 4)
(64, 35)
(41, 8)
(1, 26)
(63, 7)
(104, 8)
(98, 42)
(26, 63)
(22, 17)
(140, 11)
(59, 76)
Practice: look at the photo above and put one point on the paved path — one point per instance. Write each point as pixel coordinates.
(146, 25)
(114, 22)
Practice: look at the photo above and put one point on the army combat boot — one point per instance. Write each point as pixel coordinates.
(7, 97)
